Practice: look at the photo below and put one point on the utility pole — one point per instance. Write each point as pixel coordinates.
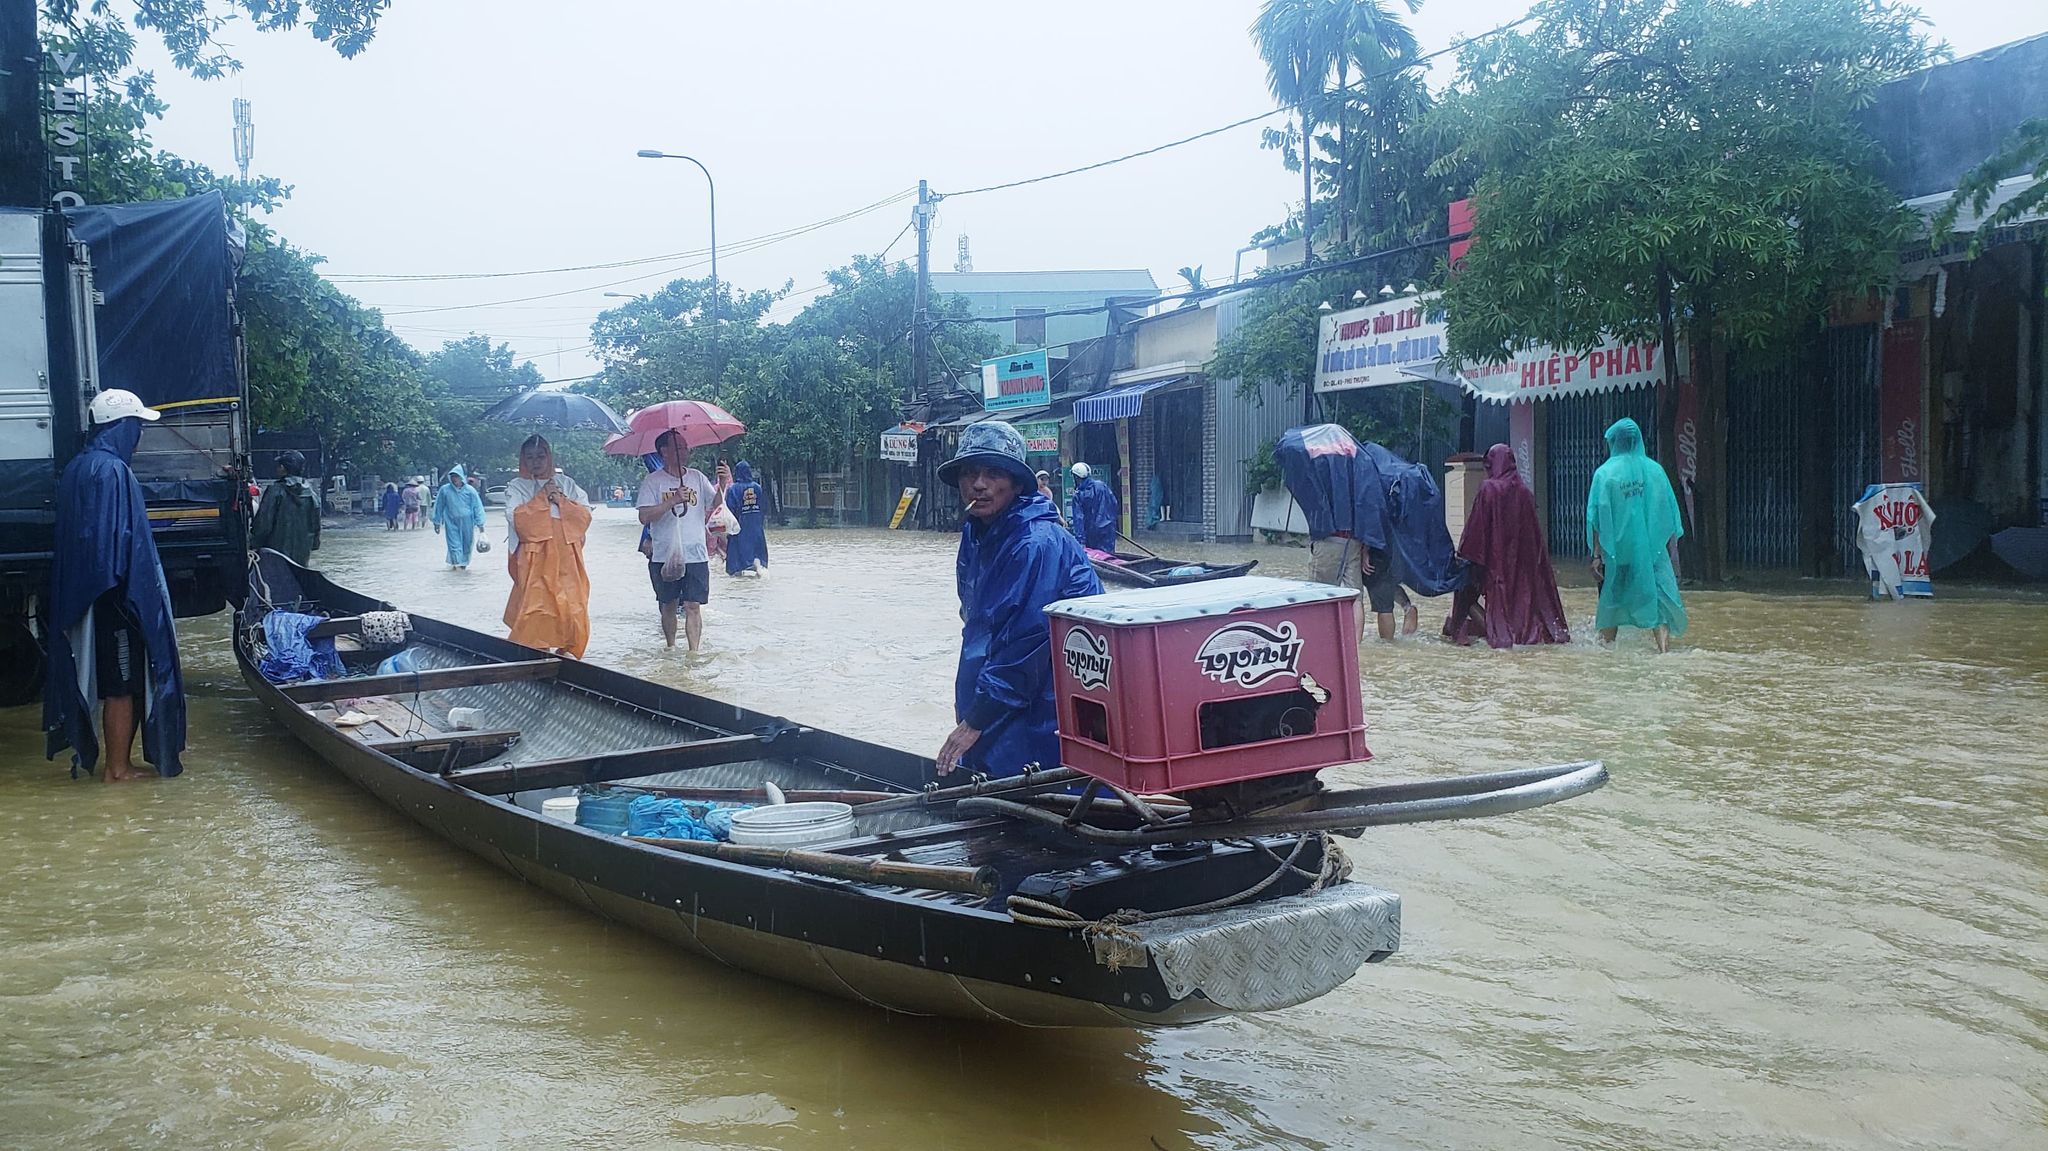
(920, 332)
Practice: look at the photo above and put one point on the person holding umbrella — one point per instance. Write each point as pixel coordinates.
(673, 503)
(550, 603)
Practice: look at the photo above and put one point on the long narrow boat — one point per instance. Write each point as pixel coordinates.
(981, 900)
(1130, 570)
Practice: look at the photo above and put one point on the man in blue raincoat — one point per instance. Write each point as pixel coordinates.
(747, 551)
(111, 637)
(1014, 560)
(1095, 510)
(460, 510)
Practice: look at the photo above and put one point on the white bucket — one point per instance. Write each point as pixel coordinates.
(793, 824)
(562, 807)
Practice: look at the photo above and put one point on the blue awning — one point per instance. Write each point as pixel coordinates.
(1118, 403)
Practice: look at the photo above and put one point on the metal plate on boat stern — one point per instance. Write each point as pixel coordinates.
(1273, 954)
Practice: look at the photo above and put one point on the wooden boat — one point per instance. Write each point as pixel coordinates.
(1152, 571)
(928, 907)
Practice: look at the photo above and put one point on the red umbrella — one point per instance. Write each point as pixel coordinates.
(697, 422)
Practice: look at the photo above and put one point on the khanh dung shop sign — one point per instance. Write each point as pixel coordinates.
(1019, 381)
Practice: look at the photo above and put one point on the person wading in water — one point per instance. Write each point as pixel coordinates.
(550, 604)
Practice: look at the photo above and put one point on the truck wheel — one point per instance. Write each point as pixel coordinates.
(21, 664)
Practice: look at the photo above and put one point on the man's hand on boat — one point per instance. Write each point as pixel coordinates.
(956, 745)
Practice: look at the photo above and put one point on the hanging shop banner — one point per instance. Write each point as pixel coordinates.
(1041, 438)
(1020, 381)
(1898, 402)
(1542, 373)
(1689, 451)
(1394, 342)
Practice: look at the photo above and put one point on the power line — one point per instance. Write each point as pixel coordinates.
(1453, 46)
(781, 234)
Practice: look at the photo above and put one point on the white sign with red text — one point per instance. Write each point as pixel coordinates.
(1894, 530)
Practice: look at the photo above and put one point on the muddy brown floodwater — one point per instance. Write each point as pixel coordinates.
(1810, 912)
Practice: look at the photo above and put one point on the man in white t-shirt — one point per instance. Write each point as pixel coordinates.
(673, 504)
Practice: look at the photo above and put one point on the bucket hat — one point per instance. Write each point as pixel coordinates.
(996, 444)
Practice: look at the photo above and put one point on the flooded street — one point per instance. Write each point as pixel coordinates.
(1811, 911)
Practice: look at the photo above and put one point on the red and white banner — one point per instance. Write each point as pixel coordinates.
(1542, 373)
(1898, 402)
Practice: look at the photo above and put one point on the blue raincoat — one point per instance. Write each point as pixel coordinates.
(1337, 487)
(104, 546)
(1008, 571)
(744, 500)
(1374, 496)
(1095, 514)
(1631, 521)
(458, 512)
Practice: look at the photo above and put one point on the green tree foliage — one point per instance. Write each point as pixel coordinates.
(2025, 152)
(467, 376)
(1312, 50)
(816, 392)
(1651, 167)
(320, 361)
(193, 29)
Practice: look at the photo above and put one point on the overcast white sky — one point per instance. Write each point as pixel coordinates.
(498, 136)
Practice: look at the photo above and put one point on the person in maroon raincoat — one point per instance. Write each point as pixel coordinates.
(1511, 592)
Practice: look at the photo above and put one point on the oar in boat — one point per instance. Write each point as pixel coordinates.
(929, 877)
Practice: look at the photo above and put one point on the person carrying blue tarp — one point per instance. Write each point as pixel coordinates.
(460, 511)
(1376, 521)
(111, 637)
(1095, 511)
(747, 550)
(1014, 560)
(1632, 525)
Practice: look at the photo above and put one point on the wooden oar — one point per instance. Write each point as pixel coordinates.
(1136, 544)
(930, 877)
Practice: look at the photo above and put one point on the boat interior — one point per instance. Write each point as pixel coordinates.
(525, 730)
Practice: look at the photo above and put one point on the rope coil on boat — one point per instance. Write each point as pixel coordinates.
(1117, 946)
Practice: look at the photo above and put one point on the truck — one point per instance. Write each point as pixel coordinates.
(135, 296)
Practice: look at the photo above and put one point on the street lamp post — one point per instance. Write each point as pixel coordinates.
(656, 154)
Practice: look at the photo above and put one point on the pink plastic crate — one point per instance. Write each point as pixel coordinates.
(1167, 689)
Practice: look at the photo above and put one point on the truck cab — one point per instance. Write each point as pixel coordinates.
(134, 296)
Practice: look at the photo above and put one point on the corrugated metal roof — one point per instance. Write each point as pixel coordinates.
(1108, 281)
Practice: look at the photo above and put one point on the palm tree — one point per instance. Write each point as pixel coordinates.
(1375, 40)
(1298, 61)
(1303, 42)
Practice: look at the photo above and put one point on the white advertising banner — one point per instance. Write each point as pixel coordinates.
(1393, 342)
(1399, 341)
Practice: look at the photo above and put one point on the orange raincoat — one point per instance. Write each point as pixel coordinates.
(550, 604)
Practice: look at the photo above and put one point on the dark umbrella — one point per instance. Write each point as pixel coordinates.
(569, 411)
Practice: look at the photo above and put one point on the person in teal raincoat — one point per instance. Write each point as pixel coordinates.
(458, 513)
(1632, 525)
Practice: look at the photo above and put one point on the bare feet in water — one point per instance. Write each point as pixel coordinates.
(1411, 620)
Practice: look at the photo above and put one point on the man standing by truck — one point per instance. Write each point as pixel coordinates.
(288, 521)
(111, 638)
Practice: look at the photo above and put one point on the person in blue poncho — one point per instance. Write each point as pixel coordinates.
(1095, 510)
(111, 639)
(1014, 560)
(1376, 521)
(458, 513)
(747, 550)
(1632, 525)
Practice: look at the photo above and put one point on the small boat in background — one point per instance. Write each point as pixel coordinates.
(1154, 571)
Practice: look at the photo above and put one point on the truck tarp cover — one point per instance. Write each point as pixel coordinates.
(165, 271)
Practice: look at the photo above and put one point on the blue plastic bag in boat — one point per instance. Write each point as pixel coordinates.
(663, 817)
(399, 664)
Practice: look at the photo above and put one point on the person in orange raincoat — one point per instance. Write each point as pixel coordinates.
(549, 516)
